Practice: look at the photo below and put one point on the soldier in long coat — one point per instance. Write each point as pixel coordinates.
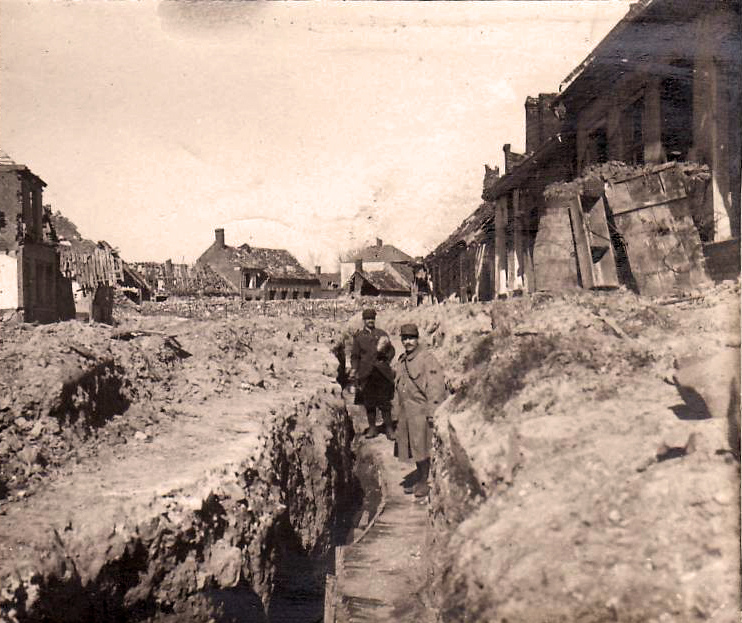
(370, 357)
(419, 390)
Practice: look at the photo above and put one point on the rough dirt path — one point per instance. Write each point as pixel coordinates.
(379, 576)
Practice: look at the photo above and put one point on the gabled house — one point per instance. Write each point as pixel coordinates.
(384, 270)
(374, 258)
(384, 282)
(30, 285)
(256, 273)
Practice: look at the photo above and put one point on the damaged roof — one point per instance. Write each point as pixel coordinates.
(273, 262)
(383, 280)
(652, 29)
(8, 164)
(470, 230)
(90, 266)
(277, 264)
(182, 279)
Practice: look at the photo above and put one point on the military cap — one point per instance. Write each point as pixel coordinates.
(409, 330)
(368, 314)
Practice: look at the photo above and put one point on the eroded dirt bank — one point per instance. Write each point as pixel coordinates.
(573, 481)
(166, 469)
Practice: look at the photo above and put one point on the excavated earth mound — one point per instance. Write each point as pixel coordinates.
(168, 469)
(581, 472)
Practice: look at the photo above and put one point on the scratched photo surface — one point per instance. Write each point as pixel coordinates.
(370, 311)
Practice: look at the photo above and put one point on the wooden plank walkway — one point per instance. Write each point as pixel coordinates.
(380, 574)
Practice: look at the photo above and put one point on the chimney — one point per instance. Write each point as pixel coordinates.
(378, 243)
(549, 123)
(359, 266)
(533, 124)
(506, 150)
(317, 270)
(541, 121)
(219, 237)
(168, 267)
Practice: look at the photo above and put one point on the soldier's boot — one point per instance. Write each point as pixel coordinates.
(386, 416)
(421, 488)
(409, 485)
(371, 431)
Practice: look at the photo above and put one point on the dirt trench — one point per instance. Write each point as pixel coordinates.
(200, 472)
(575, 476)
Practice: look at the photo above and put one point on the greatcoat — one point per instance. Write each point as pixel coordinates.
(419, 390)
(374, 376)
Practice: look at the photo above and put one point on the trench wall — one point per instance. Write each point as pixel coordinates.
(230, 533)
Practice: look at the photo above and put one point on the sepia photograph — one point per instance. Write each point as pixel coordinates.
(372, 311)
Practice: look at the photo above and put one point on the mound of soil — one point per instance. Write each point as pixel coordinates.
(574, 477)
(167, 468)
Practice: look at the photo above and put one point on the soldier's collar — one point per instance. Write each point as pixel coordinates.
(413, 354)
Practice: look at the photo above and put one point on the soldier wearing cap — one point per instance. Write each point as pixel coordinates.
(370, 368)
(419, 389)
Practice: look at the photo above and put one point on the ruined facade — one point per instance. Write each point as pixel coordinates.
(259, 274)
(663, 87)
(491, 252)
(30, 285)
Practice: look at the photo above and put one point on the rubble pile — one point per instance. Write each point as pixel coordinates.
(572, 480)
(61, 384)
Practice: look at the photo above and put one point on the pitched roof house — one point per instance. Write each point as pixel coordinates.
(257, 273)
(384, 270)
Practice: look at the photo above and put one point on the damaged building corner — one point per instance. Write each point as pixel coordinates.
(631, 174)
(31, 287)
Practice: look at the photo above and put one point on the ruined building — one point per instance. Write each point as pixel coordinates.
(631, 174)
(664, 86)
(260, 274)
(490, 253)
(329, 284)
(30, 284)
(161, 280)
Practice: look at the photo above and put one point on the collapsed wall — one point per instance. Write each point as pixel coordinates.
(571, 480)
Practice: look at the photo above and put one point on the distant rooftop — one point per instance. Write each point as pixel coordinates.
(380, 252)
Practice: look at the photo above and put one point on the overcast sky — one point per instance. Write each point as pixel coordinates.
(314, 127)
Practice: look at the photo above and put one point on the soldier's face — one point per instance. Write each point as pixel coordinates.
(409, 343)
(369, 323)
